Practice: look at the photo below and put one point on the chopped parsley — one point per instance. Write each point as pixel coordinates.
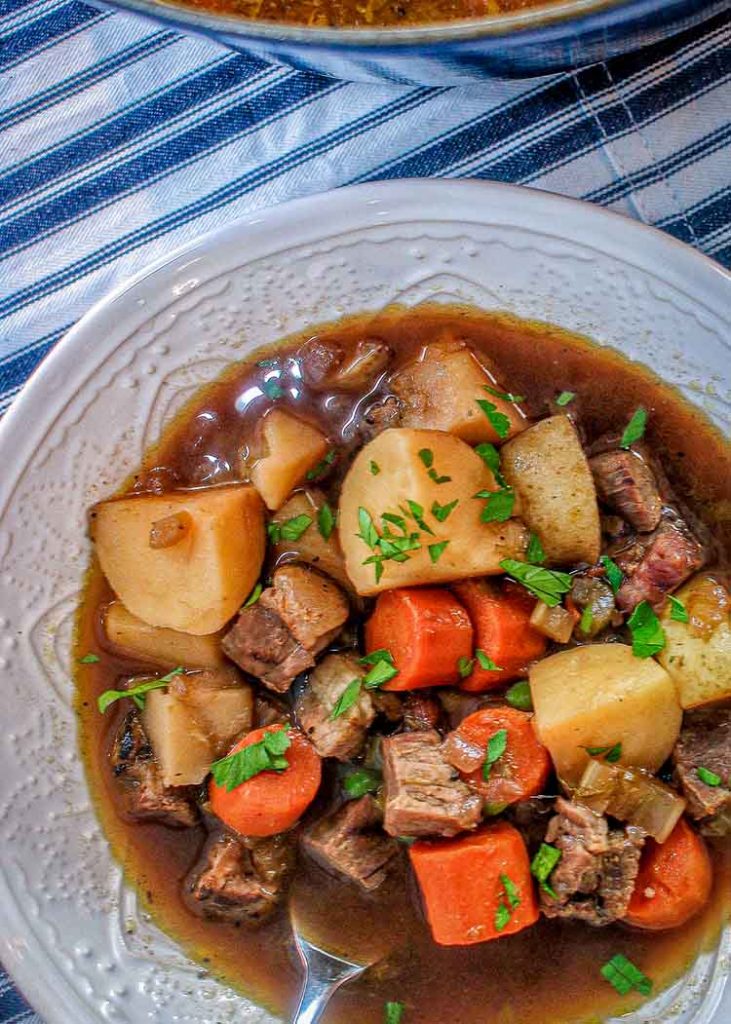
(491, 457)
(322, 466)
(565, 397)
(89, 659)
(486, 662)
(586, 620)
(678, 611)
(253, 596)
(498, 505)
(379, 674)
(546, 584)
(534, 552)
(382, 654)
(427, 457)
(465, 666)
(506, 396)
(648, 637)
(137, 693)
(635, 429)
(393, 1013)
(519, 696)
(437, 550)
(374, 468)
(442, 512)
(613, 573)
(291, 529)
(509, 902)
(496, 747)
(382, 669)
(610, 753)
(708, 777)
(361, 781)
(416, 511)
(497, 420)
(347, 699)
(543, 864)
(271, 388)
(433, 475)
(622, 974)
(326, 521)
(265, 756)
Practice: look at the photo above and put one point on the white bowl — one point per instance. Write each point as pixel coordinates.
(70, 929)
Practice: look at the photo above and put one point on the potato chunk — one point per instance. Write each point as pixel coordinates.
(168, 648)
(292, 448)
(547, 468)
(697, 653)
(198, 584)
(311, 546)
(474, 548)
(600, 695)
(195, 722)
(440, 389)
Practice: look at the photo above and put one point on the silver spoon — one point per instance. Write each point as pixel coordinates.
(324, 973)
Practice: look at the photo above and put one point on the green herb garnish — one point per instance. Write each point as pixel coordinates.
(565, 397)
(498, 505)
(486, 662)
(393, 1013)
(611, 754)
(416, 511)
(442, 512)
(519, 696)
(361, 781)
(511, 891)
(534, 552)
(433, 475)
(427, 457)
(137, 693)
(546, 584)
(491, 457)
(465, 666)
(678, 611)
(381, 672)
(613, 573)
(498, 420)
(622, 974)
(346, 699)
(326, 521)
(635, 429)
(506, 396)
(543, 864)
(502, 917)
(437, 550)
(586, 620)
(508, 903)
(374, 468)
(253, 596)
(267, 755)
(291, 529)
(322, 466)
(271, 389)
(708, 777)
(89, 659)
(496, 747)
(648, 636)
(382, 654)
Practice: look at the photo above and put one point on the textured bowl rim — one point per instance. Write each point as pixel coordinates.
(367, 205)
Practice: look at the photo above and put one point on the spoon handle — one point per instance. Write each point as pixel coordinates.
(323, 975)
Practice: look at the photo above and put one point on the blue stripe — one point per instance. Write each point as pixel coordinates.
(11, 6)
(39, 33)
(702, 219)
(69, 87)
(233, 190)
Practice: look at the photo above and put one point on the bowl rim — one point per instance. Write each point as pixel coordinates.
(24, 954)
(524, 26)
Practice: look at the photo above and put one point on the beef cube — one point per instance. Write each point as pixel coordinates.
(626, 483)
(240, 879)
(293, 620)
(594, 879)
(342, 737)
(672, 554)
(350, 843)
(705, 742)
(422, 712)
(424, 794)
(136, 770)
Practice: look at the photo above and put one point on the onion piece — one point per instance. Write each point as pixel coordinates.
(555, 623)
(630, 795)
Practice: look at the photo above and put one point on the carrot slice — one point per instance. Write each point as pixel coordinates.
(521, 771)
(501, 619)
(270, 802)
(475, 887)
(674, 881)
(426, 630)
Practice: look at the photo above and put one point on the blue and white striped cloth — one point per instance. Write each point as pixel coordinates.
(120, 141)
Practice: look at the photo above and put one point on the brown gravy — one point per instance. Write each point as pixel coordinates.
(512, 981)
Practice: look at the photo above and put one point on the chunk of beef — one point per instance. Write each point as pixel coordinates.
(239, 878)
(671, 555)
(422, 712)
(342, 737)
(379, 416)
(294, 619)
(594, 879)
(136, 770)
(351, 843)
(705, 742)
(626, 483)
(424, 794)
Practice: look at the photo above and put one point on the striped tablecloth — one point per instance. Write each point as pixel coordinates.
(120, 141)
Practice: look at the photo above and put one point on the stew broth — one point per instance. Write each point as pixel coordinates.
(548, 974)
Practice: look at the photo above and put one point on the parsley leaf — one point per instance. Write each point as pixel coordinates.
(534, 552)
(416, 512)
(382, 654)
(326, 521)
(622, 974)
(506, 396)
(546, 584)
(502, 917)
(486, 662)
(368, 533)
(291, 529)
(519, 696)
(137, 693)
(374, 468)
(381, 672)
(253, 596)
(271, 389)
(394, 1013)
(346, 699)
(635, 429)
(496, 747)
(427, 457)
(246, 762)
(511, 891)
(678, 611)
(498, 420)
(498, 505)
(586, 620)
(442, 512)
(437, 550)
(508, 904)
(708, 777)
(322, 466)
(613, 572)
(465, 666)
(433, 475)
(543, 864)
(611, 754)
(361, 781)
(565, 397)
(491, 457)
(89, 659)
(648, 636)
